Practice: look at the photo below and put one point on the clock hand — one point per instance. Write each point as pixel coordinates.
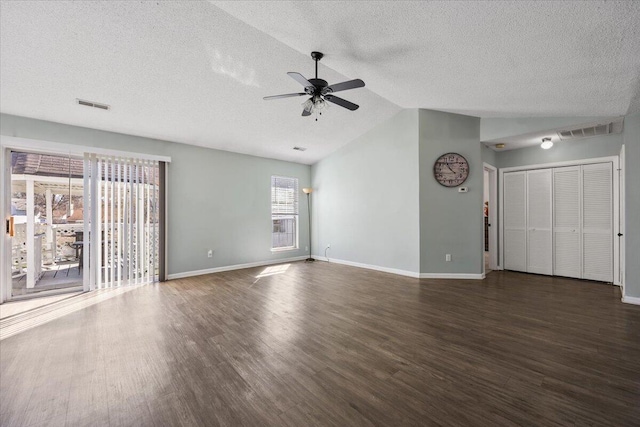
(449, 167)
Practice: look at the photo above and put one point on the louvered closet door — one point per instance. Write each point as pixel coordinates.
(597, 222)
(566, 222)
(539, 217)
(515, 221)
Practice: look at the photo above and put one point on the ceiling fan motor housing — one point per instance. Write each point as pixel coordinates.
(319, 84)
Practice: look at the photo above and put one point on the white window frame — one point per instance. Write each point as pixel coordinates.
(295, 216)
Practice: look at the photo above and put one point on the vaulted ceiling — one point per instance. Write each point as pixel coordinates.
(196, 72)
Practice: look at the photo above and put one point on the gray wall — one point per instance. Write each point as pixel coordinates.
(597, 146)
(632, 205)
(366, 197)
(450, 222)
(499, 128)
(488, 155)
(217, 199)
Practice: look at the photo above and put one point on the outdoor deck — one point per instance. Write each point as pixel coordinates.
(53, 277)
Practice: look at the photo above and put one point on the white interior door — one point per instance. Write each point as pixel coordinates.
(515, 221)
(566, 222)
(597, 222)
(539, 217)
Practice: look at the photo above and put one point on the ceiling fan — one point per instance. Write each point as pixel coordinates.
(320, 91)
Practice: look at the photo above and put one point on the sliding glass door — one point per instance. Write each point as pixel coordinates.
(47, 228)
(79, 224)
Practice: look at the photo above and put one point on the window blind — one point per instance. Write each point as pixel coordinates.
(121, 197)
(284, 195)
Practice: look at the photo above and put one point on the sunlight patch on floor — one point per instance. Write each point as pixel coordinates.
(25, 321)
(273, 270)
(16, 307)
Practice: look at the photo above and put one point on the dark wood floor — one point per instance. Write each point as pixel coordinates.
(325, 344)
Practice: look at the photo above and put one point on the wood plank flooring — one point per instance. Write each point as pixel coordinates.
(319, 344)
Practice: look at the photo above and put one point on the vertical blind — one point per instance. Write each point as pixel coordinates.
(121, 211)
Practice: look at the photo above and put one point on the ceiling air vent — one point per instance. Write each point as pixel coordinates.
(93, 104)
(594, 130)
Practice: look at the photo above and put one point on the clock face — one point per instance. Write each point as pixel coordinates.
(451, 169)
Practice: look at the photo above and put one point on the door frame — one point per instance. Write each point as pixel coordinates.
(493, 217)
(615, 160)
(622, 219)
(11, 143)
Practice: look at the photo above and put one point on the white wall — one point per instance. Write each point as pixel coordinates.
(366, 198)
(216, 199)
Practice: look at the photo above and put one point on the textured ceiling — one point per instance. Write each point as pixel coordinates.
(196, 72)
(486, 59)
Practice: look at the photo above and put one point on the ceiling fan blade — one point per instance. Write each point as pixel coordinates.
(351, 84)
(287, 95)
(342, 102)
(306, 113)
(300, 79)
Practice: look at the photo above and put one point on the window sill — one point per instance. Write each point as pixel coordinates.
(284, 249)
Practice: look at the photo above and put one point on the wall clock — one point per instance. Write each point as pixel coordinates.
(451, 169)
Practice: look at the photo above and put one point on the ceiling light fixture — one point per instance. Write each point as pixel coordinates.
(499, 145)
(315, 104)
(546, 143)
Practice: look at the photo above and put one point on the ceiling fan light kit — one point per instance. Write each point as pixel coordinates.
(320, 91)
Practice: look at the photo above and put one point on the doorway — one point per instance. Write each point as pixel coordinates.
(47, 227)
(489, 216)
(78, 221)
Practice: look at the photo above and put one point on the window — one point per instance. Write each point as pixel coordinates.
(284, 213)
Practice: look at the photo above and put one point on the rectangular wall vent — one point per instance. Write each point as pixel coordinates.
(595, 130)
(93, 104)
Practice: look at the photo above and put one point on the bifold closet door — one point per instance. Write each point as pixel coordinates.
(515, 221)
(539, 220)
(566, 222)
(597, 222)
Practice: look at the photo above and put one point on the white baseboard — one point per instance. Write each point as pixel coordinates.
(370, 267)
(234, 267)
(404, 272)
(631, 300)
(461, 276)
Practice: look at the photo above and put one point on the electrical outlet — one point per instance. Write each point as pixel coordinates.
(210, 253)
(447, 258)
